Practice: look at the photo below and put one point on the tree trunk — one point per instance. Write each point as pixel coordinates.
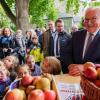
(8, 11)
(22, 21)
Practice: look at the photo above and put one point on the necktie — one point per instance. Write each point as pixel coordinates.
(88, 42)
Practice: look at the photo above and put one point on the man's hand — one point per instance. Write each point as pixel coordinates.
(75, 69)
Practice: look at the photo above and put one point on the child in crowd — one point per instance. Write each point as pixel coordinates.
(23, 70)
(51, 65)
(29, 35)
(22, 50)
(35, 69)
(11, 62)
(35, 50)
(4, 80)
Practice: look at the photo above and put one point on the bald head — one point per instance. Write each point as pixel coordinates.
(95, 10)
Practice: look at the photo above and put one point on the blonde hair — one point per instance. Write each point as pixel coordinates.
(53, 65)
(15, 60)
(1, 63)
(2, 66)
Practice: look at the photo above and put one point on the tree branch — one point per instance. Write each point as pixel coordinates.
(8, 11)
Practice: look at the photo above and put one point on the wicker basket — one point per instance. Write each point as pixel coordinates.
(92, 92)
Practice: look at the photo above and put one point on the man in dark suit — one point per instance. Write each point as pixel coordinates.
(60, 43)
(82, 48)
(46, 38)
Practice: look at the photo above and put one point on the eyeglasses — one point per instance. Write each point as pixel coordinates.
(92, 19)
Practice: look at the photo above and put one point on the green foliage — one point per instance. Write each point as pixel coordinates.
(11, 4)
(97, 4)
(84, 4)
(72, 6)
(40, 9)
(5, 22)
(81, 23)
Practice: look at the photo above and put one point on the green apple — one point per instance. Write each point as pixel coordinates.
(43, 83)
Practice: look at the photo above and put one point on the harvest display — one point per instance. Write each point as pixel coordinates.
(92, 72)
(90, 81)
(33, 88)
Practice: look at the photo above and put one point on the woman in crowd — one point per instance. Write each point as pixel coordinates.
(7, 44)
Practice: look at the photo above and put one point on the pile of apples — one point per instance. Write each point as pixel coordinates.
(92, 72)
(33, 88)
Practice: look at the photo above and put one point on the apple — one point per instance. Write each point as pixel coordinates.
(47, 75)
(88, 64)
(36, 78)
(98, 73)
(97, 83)
(22, 87)
(84, 97)
(29, 89)
(50, 95)
(23, 94)
(14, 94)
(26, 80)
(44, 83)
(36, 95)
(90, 73)
(97, 66)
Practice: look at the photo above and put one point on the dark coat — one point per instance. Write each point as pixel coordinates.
(64, 40)
(8, 42)
(75, 50)
(46, 42)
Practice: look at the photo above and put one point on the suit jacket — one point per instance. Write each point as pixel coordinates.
(45, 42)
(75, 50)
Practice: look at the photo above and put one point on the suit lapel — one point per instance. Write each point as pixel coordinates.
(93, 45)
(82, 40)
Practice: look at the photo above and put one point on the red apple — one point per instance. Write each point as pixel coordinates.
(98, 73)
(97, 83)
(15, 94)
(26, 80)
(97, 66)
(84, 97)
(90, 73)
(50, 95)
(89, 64)
(36, 95)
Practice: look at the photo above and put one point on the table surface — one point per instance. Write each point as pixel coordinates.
(66, 78)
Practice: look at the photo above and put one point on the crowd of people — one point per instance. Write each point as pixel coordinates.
(54, 51)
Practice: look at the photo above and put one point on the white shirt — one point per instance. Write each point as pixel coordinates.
(86, 40)
(56, 45)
